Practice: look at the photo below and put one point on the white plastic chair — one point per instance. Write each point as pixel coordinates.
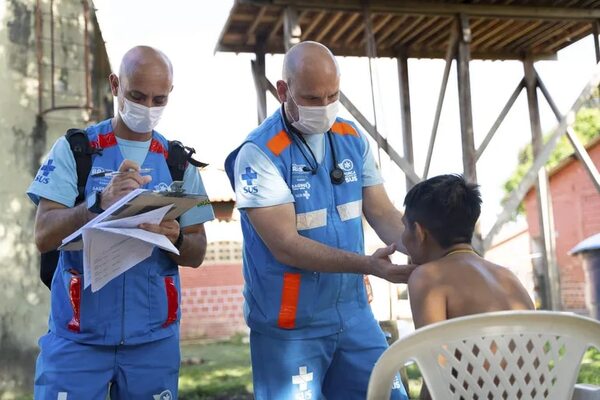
(500, 355)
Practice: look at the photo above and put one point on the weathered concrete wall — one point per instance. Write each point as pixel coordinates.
(25, 137)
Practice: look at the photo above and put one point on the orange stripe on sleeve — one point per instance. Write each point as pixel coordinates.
(279, 142)
(289, 300)
(343, 128)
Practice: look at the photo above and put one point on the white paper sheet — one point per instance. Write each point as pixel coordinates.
(112, 247)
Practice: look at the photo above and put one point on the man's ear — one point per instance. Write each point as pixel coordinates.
(282, 91)
(113, 80)
(420, 233)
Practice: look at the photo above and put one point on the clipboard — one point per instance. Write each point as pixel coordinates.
(137, 202)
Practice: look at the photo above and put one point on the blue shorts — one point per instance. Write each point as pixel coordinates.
(334, 367)
(67, 370)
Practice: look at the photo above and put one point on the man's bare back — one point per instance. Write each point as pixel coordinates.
(462, 284)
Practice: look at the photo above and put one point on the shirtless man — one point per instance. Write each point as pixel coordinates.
(452, 280)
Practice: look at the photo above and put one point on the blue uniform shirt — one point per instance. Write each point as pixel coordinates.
(142, 304)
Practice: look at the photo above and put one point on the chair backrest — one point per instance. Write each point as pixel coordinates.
(500, 355)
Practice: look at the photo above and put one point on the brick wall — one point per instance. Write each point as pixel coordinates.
(576, 210)
(212, 301)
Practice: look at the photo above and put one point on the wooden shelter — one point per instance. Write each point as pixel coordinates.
(461, 30)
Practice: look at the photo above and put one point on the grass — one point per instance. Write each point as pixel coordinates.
(220, 371)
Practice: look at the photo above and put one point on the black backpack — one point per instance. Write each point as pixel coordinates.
(177, 159)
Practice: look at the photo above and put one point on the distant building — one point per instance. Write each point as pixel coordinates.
(576, 210)
(211, 296)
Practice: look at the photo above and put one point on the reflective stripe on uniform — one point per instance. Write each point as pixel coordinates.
(289, 300)
(350, 210)
(311, 219)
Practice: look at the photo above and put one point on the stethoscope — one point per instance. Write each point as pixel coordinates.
(336, 175)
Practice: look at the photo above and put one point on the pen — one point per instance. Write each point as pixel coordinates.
(116, 173)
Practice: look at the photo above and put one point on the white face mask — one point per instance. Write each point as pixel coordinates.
(139, 118)
(315, 120)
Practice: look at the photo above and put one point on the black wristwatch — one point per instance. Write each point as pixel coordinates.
(179, 240)
(93, 202)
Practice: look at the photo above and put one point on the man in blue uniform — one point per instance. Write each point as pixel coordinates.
(303, 180)
(126, 335)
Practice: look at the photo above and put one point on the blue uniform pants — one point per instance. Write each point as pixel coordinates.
(67, 370)
(331, 367)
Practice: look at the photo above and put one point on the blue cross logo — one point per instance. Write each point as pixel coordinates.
(249, 176)
(48, 167)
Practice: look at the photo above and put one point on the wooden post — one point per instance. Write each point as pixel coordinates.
(450, 55)
(547, 242)
(466, 112)
(464, 99)
(258, 73)
(596, 33)
(291, 28)
(402, 61)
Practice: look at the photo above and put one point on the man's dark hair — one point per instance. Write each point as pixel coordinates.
(447, 206)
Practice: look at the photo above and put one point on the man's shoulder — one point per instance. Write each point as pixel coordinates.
(268, 128)
(426, 275)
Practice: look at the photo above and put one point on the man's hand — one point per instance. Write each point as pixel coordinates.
(169, 228)
(382, 267)
(124, 183)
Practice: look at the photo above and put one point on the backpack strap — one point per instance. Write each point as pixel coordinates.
(178, 158)
(82, 152)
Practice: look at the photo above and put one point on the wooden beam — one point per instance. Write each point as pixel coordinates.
(391, 28)
(250, 38)
(275, 29)
(490, 33)
(580, 151)
(418, 30)
(544, 201)
(345, 26)
(355, 33)
(400, 161)
(403, 32)
(258, 72)
(500, 118)
(549, 34)
(464, 100)
(571, 37)
(450, 55)
(313, 25)
(376, 28)
(407, 141)
(528, 33)
(516, 33)
(329, 26)
(291, 28)
(448, 9)
(231, 45)
(516, 197)
(444, 24)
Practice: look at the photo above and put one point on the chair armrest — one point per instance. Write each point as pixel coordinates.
(584, 391)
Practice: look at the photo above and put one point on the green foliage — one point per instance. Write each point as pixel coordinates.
(586, 127)
(590, 368)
